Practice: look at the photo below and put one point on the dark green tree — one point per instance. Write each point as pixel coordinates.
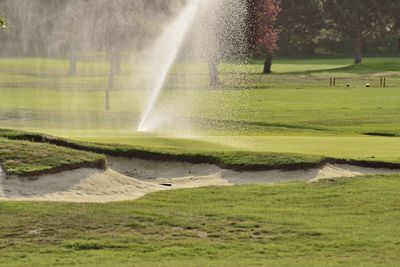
(392, 25)
(358, 19)
(299, 25)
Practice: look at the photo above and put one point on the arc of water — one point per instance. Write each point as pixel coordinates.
(165, 53)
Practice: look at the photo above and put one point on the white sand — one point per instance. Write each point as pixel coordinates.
(129, 179)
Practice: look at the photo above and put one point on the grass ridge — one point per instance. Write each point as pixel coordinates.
(24, 158)
(235, 160)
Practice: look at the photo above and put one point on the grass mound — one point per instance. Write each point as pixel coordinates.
(27, 158)
(235, 160)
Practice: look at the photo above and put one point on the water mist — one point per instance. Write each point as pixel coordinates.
(164, 55)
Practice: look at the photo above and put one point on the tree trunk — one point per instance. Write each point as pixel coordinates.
(110, 81)
(117, 61)
(267, 64)
(213, 71)
(398, 44)
(310, 48)
(107, 100)
(357, 43)
(111, 72)
(72, 63)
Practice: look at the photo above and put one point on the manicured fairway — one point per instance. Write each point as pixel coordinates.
(293, 110)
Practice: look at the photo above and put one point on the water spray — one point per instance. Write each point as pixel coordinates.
(164, 55)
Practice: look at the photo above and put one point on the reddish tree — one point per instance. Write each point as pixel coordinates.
(266, 15)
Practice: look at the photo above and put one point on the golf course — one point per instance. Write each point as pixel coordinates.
(292, 118)
(204, 133)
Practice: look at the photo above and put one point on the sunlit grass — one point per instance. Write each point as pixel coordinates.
(350, 222)
(37, 95)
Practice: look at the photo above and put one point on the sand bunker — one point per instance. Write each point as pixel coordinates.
(129, 179)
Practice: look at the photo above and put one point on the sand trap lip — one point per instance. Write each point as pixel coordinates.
(129, 179)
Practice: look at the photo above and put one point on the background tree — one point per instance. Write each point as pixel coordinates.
(118, 23)
(266, 12)
(72, 30)
(392, 23)
(299, 25)
(358, 19)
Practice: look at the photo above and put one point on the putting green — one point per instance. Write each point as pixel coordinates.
(349, 147)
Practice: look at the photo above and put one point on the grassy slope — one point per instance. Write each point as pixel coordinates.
(225, 157)
(27, 158)
(343, 147)
(346, 222)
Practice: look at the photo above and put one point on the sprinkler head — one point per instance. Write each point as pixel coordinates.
(347, 85)
(367, 85)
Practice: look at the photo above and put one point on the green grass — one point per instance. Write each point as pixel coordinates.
(290, 118)
(345, 222)
(35, 96)
(224, 156)
(228, 158)
(367, 148)
(27, 158)
(292, 111)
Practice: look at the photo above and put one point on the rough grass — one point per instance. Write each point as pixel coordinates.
(345, 222)
(27, 158)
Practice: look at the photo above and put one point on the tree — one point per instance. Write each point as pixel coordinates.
(266, 14)
(71, 30)
(358, 19)
(218, 34)
(299, 24)
(392, 14)
(118, 22)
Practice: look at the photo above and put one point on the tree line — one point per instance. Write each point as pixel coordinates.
(301, 27)
(61, 28)
(274, 27)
